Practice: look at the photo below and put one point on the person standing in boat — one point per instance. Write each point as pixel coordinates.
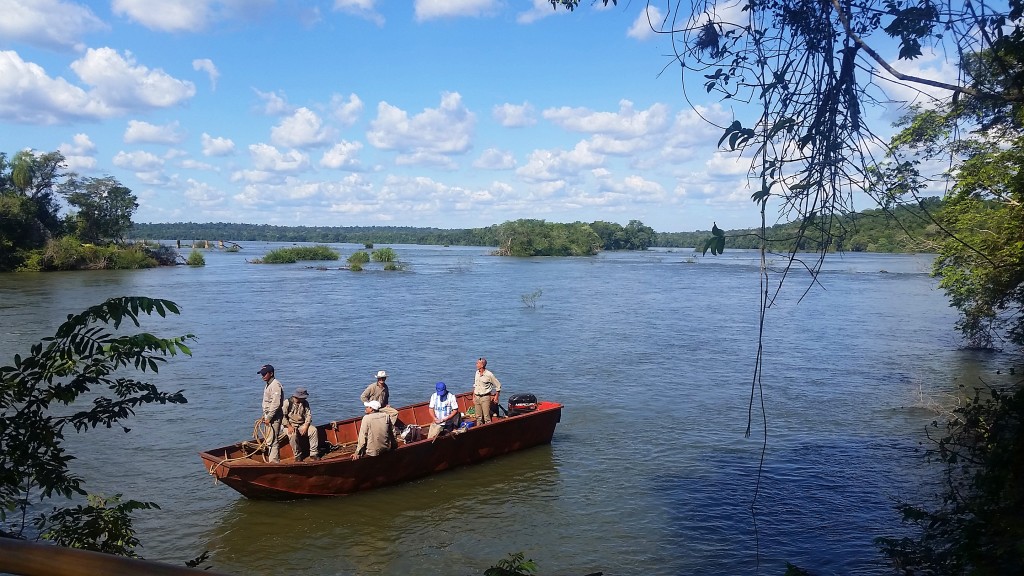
(298, 420)
(445, 409)
(376, 432)
(486, 390)
(273, 398)
(380, 392)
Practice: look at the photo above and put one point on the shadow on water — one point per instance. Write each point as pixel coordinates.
(428, 519)
(812, 498)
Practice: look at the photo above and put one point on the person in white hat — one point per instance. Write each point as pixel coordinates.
(298, 419)
(380, 392)
(377, 391)
(376, 432)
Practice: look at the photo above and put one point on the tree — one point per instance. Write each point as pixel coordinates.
(105, 207)
(638, 236)
(85, 357)
(29, 213)
(528, 237)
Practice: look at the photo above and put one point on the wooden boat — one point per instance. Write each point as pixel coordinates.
(244, 467)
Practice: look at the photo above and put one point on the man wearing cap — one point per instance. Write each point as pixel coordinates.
(273, 397)
(298, 419)
(446, 411)
(376, 432)
(486, 390)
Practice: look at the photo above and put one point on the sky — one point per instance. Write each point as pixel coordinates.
(423, 113)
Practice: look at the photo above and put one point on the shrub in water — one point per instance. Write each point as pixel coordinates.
(132, 257)
(292, 255)
(359, 258)
(384, 255)
(196, 258)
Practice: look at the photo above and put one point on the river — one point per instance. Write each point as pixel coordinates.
(652, 354)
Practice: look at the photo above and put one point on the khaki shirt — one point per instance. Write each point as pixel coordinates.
(376, 434)
(485, 383)
(297, 413)
(374, 392)
(273, 394)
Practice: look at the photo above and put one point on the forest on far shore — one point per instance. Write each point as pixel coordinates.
(904, 229)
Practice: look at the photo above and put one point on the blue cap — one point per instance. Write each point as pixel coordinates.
(441, 388)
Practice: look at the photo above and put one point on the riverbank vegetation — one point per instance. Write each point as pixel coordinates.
(36, 236)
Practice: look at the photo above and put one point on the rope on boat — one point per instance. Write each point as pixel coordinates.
(260, 433)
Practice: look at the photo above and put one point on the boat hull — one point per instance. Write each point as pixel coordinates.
(337, 474)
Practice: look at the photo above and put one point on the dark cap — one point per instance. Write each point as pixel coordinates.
(300, 393)
(265, 369)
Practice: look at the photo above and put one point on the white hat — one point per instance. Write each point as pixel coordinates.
(372, 404)
(382, 374)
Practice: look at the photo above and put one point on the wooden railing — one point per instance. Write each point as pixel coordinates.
(34, 559)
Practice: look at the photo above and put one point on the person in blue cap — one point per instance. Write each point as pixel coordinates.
(445, 409)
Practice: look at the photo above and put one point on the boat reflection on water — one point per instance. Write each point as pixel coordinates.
(358, 534)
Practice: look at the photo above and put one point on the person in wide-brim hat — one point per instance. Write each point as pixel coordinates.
(298, 420)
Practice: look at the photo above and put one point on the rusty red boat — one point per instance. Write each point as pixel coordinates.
(243, 466)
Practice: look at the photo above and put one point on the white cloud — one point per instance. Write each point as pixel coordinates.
(539, 10)
(303, 129)
(627, 122)
(138, 161)
(274, 104)
(29, 96)
(559, 165)
(514, 115)
(641, 28)
(139, 132)
(197, 165)
(268, 158)
(187, 15)
(216, 146)
(207, 65)
(123, 84)
(80, 154)
(342, 155)
(447, 129)
(434, 9)
(346, 110)
(494, 159)
(118, 85)
(166, 15)
(726, 165)
(424, 158)
(362, 8)
(202, 194)
(48, 23)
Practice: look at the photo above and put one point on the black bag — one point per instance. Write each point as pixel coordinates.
(521, 403)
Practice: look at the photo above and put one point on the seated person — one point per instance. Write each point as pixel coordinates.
(299, 422)
(376, 432)
(445, 409)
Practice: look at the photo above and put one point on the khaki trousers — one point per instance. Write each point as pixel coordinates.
(482, 407)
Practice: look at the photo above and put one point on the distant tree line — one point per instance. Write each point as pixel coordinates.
(903, 229)
(514, 238)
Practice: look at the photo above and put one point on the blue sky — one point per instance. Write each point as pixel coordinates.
(440, 113)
